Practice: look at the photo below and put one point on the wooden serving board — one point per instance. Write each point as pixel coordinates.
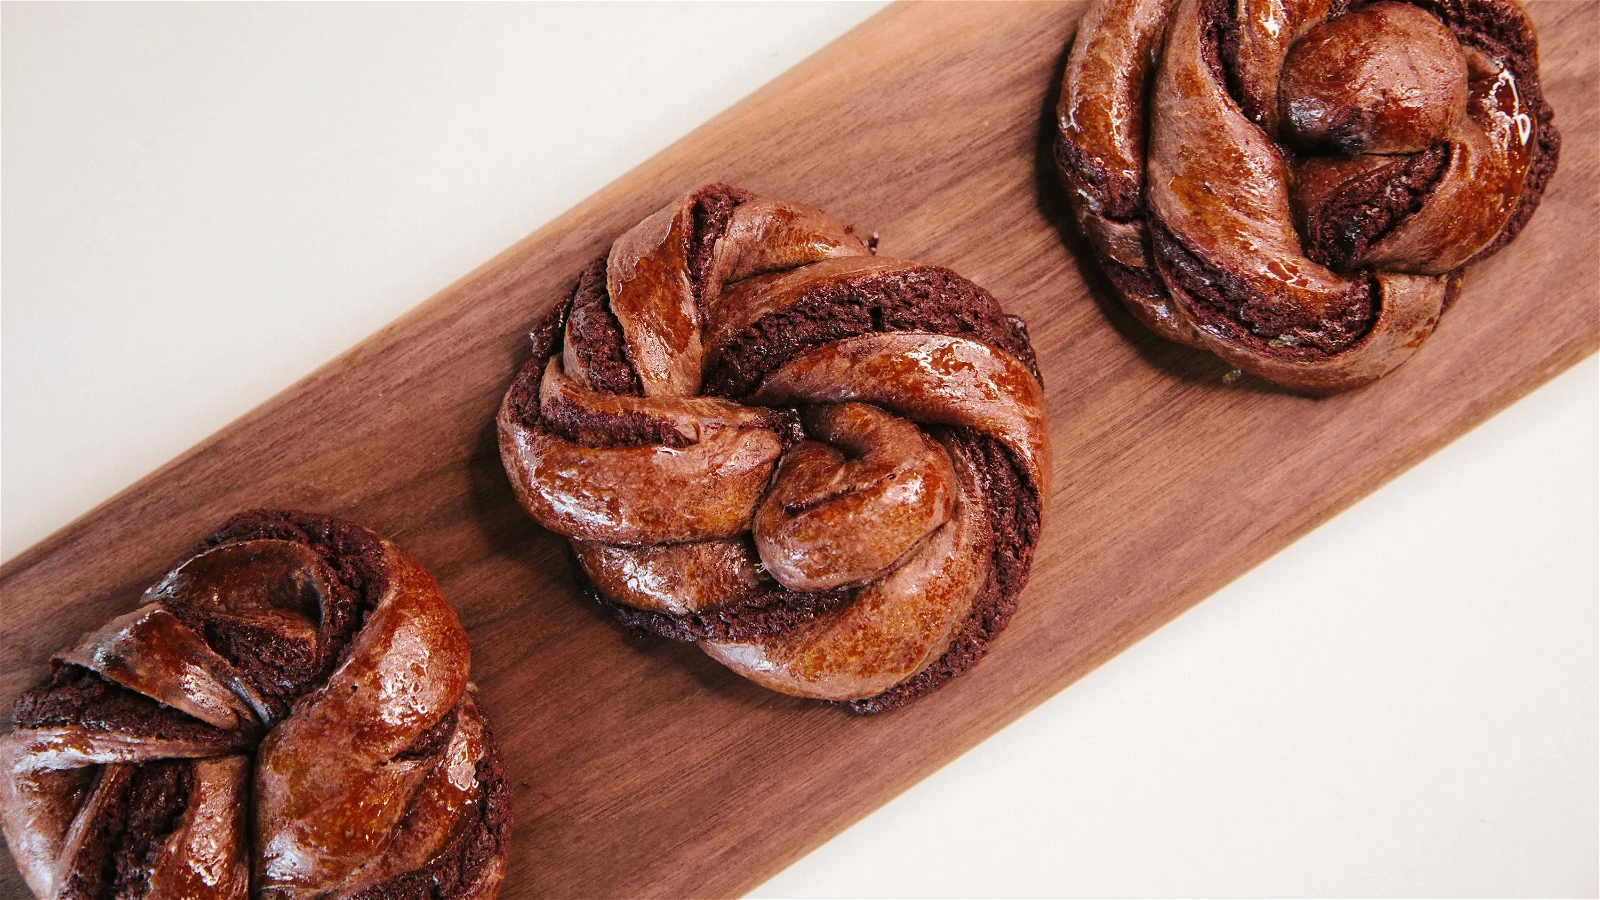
(643, 768)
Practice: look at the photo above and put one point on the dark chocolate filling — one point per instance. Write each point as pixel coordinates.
(141, 809)
(1220, 44)
(78, 697)
(925, 299)
(1494, 29)
(1023, 347)
(279, 669)
(1012, 502)
(1339, 232)
(157, 797)
(582, 425)
(1227, 304)
(713, 208)
(751, 619)
(545, 337)
(597, 336)
(1135, 282)
(92, 874)
(1120, 198)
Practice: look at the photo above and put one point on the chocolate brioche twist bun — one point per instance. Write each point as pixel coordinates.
(1295, 185)
(287, 715)
(826, 467)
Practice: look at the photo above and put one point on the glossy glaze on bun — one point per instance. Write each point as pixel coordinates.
(828, 468)
(287, 715)
(1296, 185)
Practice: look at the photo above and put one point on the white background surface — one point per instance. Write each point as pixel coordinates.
(203, 202)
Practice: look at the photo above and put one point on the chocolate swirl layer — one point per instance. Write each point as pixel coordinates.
(1296, 185)
(827, 468)
(286, 715)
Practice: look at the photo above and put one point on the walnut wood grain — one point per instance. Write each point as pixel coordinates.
(644, 768)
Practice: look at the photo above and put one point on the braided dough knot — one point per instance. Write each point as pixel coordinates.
(825, 466)
(289, 709)
(1295, 185)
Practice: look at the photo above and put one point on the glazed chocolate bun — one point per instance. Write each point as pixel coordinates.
(1296, 185)
(287, 715)
(826, 467)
